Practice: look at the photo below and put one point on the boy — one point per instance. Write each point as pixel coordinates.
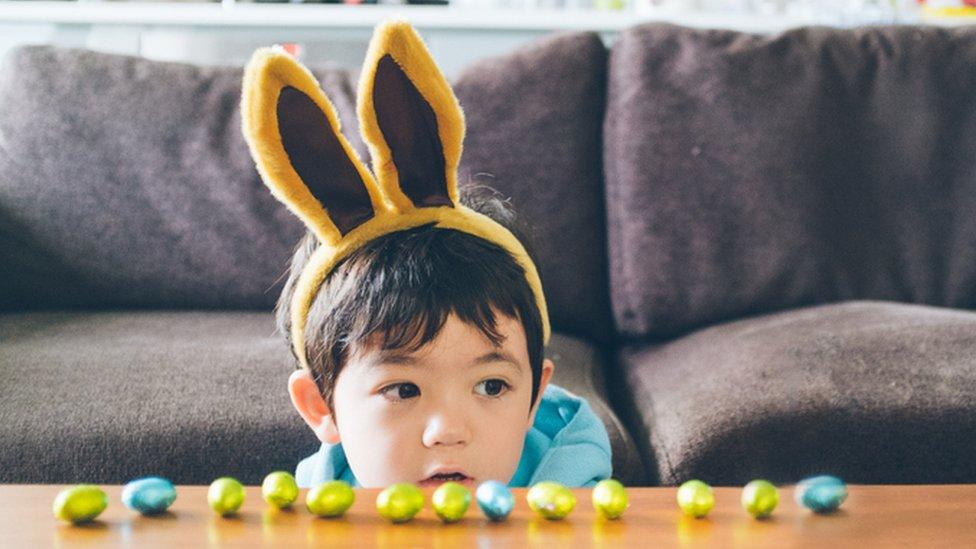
(417, 318)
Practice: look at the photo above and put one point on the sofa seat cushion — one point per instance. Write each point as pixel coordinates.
(580, 369)
(874, 392)
(106, 397)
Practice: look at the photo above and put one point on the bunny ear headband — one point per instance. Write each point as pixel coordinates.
(413, 125)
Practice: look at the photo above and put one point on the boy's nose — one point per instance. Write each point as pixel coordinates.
(445, 430)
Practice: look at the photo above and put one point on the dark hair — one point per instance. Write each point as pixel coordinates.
(398, 290)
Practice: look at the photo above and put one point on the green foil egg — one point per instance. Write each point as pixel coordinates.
(450, 501)
(279, 489)
(759, 498)
(225, 496)
(330, 499)
(400, 502)
(80, 504)
(551, 500)
(610, 498)
(696, 498)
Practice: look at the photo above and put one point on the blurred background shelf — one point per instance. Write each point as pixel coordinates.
(226, 32)
(231, 14)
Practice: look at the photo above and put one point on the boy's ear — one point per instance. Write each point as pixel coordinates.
(411, 120)
(547, 369)
(307, 399)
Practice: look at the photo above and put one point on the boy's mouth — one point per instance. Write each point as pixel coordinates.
(447, 476)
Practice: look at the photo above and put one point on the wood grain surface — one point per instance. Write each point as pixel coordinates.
(873, 516)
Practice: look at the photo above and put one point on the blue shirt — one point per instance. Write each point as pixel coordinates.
(567, 443)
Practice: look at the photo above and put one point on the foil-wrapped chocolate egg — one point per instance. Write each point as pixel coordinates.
(330, 499)
(495, 500)
(400, 502)
(149, 495)
(695, 498)
(79, 504)
(225, 496)
(821, 494)
(610, 498)
(279, 489)
(551, 500)
(759, 498)
(450, 501)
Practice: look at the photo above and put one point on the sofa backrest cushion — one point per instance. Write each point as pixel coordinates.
(752, 173)
(534, 121)
(126, 182)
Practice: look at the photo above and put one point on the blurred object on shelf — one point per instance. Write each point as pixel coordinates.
(610, 5)
(294, 49)
(949, 8)
(288, 1)
(823, 12)
(568, 5)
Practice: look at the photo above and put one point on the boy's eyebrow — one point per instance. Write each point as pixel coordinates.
(399, 358)
(390, 357)
(498, 355)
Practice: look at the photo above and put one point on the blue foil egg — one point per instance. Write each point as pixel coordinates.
(821, 494)
(495, 500)
(149, 495)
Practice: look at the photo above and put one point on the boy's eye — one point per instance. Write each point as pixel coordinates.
(491, 387)
(400, 391)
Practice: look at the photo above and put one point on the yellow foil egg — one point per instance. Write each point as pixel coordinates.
(79, 504)
(330, 499)
(760, 498)
(450, 501)
(551, 500)
(279, 489)
(400, 502)
(610, 498)
(696, 498)
(225, 496)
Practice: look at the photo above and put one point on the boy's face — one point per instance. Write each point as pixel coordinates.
(456, 409)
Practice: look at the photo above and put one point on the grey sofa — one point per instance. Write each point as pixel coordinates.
(759, 252)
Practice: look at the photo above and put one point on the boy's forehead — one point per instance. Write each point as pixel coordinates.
(455, 339)
(401, 357)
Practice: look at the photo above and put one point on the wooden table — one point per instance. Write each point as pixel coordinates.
(873, 516)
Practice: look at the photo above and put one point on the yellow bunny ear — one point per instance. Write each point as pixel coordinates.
(294, 136)
(410, 119)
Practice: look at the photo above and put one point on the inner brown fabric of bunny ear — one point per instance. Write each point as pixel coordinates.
(409, 126)
(316, 154)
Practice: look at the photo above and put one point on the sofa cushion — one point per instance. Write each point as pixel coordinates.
(873, 392)
(105, 397)
(534, 122)
(748, 174)
(580, 368)
(126, 182)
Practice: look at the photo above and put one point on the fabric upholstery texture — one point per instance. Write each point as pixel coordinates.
(106, 203)
(126, 182)
(105, 397)
(873, 392)
(772, 237)
(534, 122)
(748, 174)
(581, 369)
